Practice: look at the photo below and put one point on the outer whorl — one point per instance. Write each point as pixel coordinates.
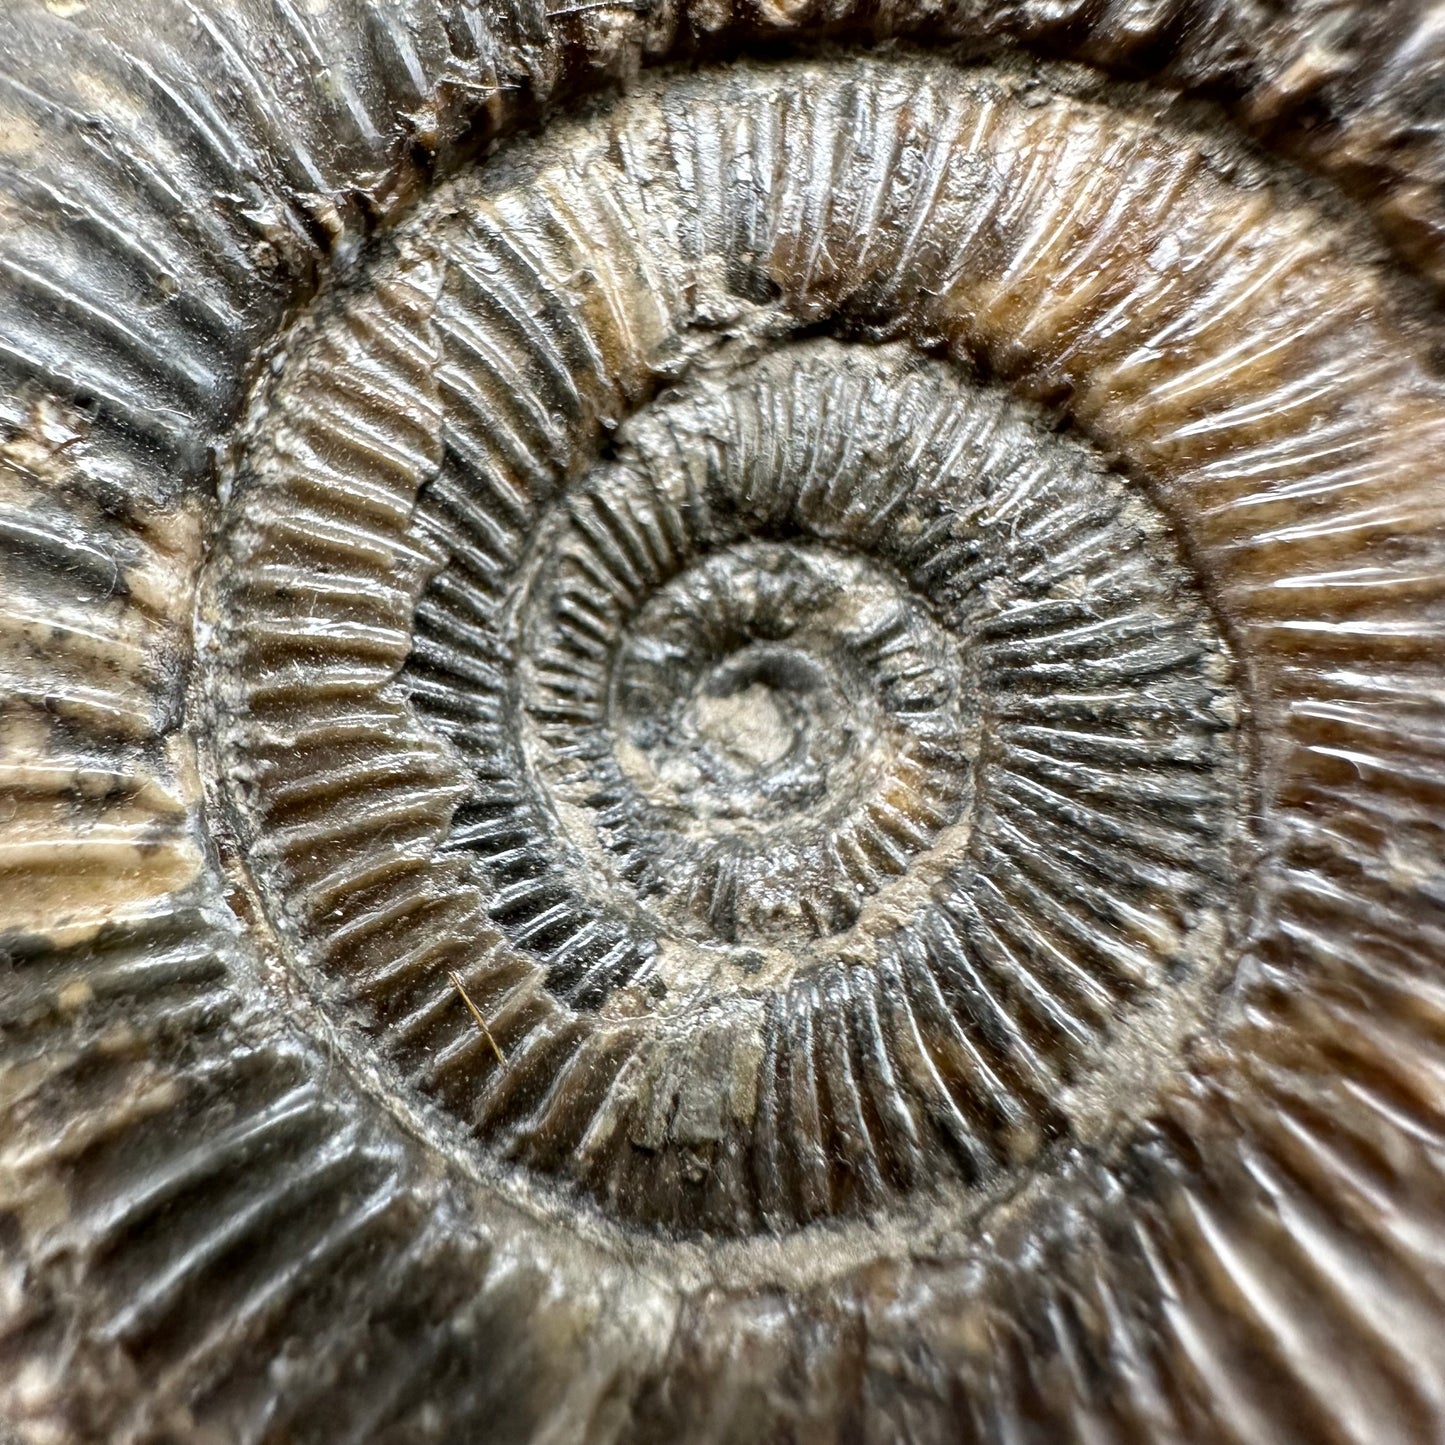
(763, 765)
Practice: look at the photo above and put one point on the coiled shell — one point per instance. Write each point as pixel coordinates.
(767, 767)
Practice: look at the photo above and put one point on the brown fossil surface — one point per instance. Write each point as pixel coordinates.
(722, 723)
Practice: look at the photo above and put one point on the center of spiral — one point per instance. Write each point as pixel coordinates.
(749, 724)
(768, 685)
(760, 707)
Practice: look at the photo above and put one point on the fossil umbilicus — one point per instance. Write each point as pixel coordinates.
(721, 725)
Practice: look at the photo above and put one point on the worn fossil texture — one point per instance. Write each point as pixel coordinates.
(721, 724)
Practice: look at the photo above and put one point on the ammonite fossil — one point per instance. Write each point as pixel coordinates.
(722, 723)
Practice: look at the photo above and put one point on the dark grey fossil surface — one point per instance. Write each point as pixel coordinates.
(721, 723)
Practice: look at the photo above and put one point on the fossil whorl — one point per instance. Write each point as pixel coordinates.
(763, 766)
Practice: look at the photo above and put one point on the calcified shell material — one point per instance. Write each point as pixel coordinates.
(766, 764)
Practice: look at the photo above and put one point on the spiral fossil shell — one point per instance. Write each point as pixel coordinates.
(721, 724)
